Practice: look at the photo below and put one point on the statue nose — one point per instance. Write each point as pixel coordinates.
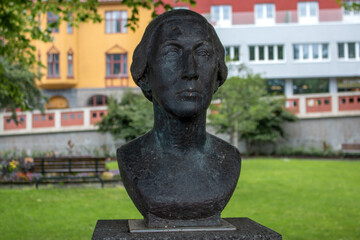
(189, 68)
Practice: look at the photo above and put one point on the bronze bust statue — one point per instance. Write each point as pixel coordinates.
(177, 174)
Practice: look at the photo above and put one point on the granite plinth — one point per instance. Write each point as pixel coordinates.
(247, 229)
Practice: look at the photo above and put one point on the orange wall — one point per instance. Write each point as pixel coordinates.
(89, 44)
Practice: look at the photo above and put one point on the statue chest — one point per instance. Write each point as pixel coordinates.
(170, 185)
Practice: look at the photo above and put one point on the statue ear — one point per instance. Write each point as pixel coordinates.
(145, 85)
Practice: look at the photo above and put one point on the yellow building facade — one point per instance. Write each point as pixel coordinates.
(85, 65)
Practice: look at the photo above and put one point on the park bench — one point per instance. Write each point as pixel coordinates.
(350, 148)
(60, 168)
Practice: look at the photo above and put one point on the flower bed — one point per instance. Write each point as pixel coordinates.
(21, 170)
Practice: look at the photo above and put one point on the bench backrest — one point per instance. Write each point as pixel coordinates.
(350, 146)
(69, 165)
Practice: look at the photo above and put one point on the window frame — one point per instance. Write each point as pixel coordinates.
(112, 62)
(231, 56)
(69, 28)
(221, 21)
(346, 51)
(350, 15)
(53, 63)
(110, 21)
(276, 50)
(299, 85)
(307, 19)
(70, 62)
(51, 19)
(104, 100)
(310, 58)
(264, 19)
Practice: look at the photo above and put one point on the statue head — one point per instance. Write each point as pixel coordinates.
(179, 62)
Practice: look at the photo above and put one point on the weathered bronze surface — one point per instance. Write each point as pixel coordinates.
(177, 174)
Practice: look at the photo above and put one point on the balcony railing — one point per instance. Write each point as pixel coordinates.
(283, 17)
(84, 119)
(74, 119)
(325, 105)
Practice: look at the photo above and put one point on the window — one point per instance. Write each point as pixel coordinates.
(52, 20)
(265, 14)
(70, 65)
(221, 15)
(264, 53)
(69, 28)
(275, 86)
(310, 85)
(311, 52)
(349, 51)
(308, 12)
(97, 100)
(232, 53)
(53, 65)
(116, 21)
(39, 65)
(348, 84)
(116, 65)
(349, 13)
(57, 102)
(252, 53)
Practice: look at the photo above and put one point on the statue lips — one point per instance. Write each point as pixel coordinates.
(189, 94)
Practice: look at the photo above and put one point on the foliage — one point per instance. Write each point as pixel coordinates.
(268, 127)
(21, 23)
(297, 198)
(349, 5)
(129, 119)
(247, 112)
(312, 151)
(18, 88)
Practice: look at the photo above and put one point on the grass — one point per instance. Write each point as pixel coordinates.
(298, 198)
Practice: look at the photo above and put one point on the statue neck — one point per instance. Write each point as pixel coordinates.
(181, 134)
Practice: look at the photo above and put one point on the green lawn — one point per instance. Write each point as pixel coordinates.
(298, 198)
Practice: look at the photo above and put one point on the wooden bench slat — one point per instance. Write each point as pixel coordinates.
(72, 170)
(69, 166)
(347, 146)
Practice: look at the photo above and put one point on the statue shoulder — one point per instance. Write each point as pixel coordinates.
(224, 148)
(133, 149)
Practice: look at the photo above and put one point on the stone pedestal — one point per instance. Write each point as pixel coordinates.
(246, 229)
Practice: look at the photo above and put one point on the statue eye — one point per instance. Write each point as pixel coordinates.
(202, 52)
(171, 51)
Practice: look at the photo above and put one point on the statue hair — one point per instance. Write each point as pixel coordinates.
(139, 67)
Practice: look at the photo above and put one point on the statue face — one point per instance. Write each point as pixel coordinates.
(183, 68)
